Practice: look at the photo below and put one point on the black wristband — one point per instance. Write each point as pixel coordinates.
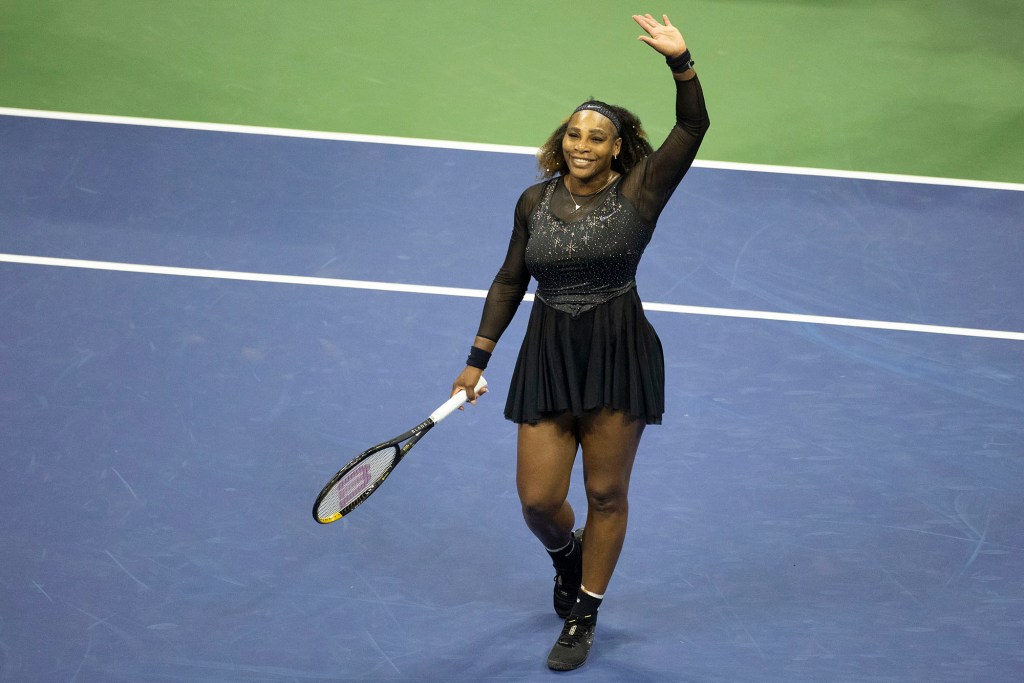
(478, 358)
(680, 64)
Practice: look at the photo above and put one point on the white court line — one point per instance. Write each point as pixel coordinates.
(481, 293)
(264, 130)
(484, 147)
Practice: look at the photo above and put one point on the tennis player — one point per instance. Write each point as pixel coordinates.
(590, 373)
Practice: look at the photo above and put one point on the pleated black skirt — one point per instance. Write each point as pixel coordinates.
(608, 356)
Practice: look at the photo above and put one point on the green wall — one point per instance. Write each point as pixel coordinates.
(923, 87)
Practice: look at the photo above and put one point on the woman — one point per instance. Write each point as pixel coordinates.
(590, 372)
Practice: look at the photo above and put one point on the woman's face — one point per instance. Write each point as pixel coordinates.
(589, 145)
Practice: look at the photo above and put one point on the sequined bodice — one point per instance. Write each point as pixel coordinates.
(581, 264)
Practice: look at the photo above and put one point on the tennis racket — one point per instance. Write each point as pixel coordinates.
(356, 481)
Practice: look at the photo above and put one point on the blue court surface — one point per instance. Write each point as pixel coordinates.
(825, 501)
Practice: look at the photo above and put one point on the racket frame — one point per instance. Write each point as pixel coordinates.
(413, 435)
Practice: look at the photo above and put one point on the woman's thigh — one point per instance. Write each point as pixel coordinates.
(610, 440)
(545, 455)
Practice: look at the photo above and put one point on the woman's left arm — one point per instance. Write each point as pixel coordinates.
(665, 168)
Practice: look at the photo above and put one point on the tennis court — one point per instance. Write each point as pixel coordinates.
(203, 321)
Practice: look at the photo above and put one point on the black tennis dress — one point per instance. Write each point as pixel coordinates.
(588, 344)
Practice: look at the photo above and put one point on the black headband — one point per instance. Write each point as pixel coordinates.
(603, 111)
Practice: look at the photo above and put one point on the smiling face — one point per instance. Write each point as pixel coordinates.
(589, 145)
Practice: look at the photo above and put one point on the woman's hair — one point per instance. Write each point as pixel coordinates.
(635, 146)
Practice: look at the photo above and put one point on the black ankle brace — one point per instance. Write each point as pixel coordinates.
(565, 558)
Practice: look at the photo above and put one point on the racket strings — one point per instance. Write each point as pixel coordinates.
(366, 474)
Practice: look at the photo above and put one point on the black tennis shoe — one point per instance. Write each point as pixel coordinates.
(567, 582)
(573, 645)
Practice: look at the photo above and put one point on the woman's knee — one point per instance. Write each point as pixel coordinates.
(608, 499)
(540, 507)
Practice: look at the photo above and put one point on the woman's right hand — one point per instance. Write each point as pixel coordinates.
(467, 380)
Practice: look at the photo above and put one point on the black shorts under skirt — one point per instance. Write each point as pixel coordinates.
(609, 356)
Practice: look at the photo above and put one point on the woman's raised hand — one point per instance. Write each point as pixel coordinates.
(665, 38)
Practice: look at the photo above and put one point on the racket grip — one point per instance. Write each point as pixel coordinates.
(449, 406)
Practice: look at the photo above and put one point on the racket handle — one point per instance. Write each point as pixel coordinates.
(449, 406)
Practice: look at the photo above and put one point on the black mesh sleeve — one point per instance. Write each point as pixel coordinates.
(509, 285)
(653, 181)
